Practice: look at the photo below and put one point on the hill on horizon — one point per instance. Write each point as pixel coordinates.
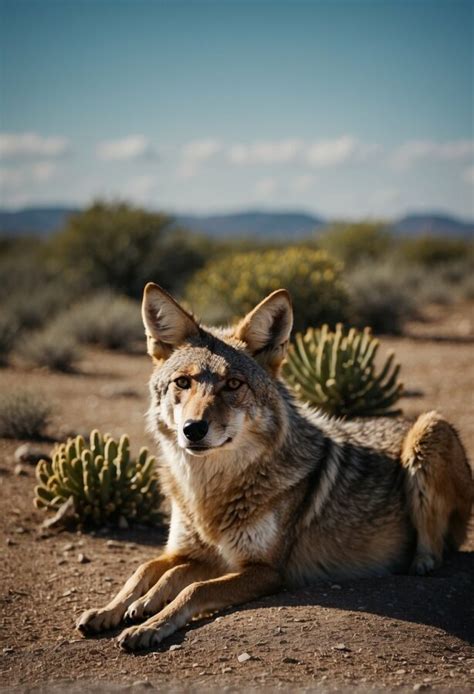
(291, 225)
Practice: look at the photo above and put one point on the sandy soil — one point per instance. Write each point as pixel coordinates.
(403, 633)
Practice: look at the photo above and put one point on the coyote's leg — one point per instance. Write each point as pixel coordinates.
(439, 486)
(168, 587)
(93, 621)
(204, 596)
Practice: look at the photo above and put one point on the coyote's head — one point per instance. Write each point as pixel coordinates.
(216, 389)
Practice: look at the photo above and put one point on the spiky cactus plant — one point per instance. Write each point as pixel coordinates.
(336, 372)
(105, 482)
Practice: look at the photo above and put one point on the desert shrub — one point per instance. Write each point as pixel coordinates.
(105, 482)
(434, 250)
(381, 297)
(8, 335)
(356, 242)
(105, 319)
(24, 415)
(50, 347)
(120, 247)
(336, 372)
(230, 286)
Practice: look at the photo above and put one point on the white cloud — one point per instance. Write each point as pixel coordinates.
(16, 177)
(468, 175)
(265, 152)
(303, 183)
(195, 153)
(317, 154)
(266, 188)
(131, 147)
(414, 151)
(28, 145)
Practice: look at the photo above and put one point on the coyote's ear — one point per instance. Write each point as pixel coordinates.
(166, 324)
(266, 330)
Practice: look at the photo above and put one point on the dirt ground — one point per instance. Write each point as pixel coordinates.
(403, 633)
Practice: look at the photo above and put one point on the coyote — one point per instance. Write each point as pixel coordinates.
(267, 492)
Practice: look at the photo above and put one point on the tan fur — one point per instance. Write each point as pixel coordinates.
(275, 493)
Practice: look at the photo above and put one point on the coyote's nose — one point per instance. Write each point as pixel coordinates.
(195, 429)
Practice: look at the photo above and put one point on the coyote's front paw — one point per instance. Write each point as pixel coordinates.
(424, 563)
(143, 636)
(94, 621)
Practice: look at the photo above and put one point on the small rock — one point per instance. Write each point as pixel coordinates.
(288, 659)
(336, 586)
(243, 657)
(20, 530)
(30, 454)
(20, 470)
(82, 559)
(113, 544)
(68, 547)
(10, 542)
(226, 669)
(341, 647)
(402, 671)
(175, 647)
(8, 649)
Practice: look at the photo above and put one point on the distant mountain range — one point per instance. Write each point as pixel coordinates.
(43, 221)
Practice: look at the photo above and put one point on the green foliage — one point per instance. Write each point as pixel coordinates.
(105, 482)
(121, 247)
(356, 242)
(336, 372)
(232, 285)
(24, 415)
(50, 347)
(435, 251)
(105, 319)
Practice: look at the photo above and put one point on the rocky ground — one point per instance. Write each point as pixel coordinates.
(402, 633)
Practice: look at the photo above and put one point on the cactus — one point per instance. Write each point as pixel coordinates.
(105, 482)
(336, 372)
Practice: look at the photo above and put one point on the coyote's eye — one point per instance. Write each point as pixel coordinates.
(233, 384)
(183, 382)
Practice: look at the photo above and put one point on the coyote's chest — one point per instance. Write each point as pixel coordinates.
(226, 515)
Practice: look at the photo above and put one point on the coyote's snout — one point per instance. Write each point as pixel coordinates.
(266, 492)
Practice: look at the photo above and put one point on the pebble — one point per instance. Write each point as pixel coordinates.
(26, 453)
(8, 649)
(20, 530)
(336, 586)
(288, 659)
(20, 470)
(402, 671)
(341, 647)
(82, 559)
(243, 657)
(10, 542)
(175, 647)
(112, 544)
(226, 669)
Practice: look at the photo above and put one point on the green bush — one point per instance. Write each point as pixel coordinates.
(336, 372)
(230, 286)
(120, 247)
(105, 319)
(356, 242)
(105, 482)
(24, 415)
(432, 251)
(50, 347)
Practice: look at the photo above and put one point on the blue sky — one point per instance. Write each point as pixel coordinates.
(346, 109)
